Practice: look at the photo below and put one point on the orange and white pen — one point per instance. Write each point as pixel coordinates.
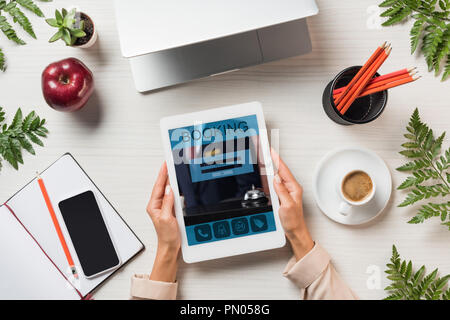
(57, 226)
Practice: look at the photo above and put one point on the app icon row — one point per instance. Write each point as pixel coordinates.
(227, 228)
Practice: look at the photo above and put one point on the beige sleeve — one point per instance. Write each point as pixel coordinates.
(144, 288)
(316, 277)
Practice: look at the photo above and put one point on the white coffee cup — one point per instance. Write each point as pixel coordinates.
(347, 204)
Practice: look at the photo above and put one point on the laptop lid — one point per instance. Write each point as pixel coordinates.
(147, 26)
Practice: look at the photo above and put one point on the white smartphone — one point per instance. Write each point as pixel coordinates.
(89, 234)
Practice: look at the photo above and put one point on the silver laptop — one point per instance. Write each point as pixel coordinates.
(169, 41)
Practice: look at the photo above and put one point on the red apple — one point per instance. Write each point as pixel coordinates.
(67, 84)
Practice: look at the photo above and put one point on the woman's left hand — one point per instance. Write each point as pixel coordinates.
(161, 211)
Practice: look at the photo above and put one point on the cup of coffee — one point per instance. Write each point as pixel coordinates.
(356, 188)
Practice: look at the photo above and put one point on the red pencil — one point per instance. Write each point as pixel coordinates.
(361, 71)
(360, 85)
(373, 85)
(380, 78)
(56, 225)
(389, 86)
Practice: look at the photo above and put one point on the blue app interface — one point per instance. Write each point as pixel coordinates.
(221, 180)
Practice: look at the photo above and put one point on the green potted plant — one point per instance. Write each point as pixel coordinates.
(75, 28)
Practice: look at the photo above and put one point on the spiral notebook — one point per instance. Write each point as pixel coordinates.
(33, 264)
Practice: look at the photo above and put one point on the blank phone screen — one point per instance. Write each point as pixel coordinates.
(88, 232)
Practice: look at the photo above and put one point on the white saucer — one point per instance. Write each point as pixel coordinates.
(333, 166)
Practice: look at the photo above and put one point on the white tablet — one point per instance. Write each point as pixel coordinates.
(221, 174)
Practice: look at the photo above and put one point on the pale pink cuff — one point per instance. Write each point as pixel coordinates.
(144, 288)
(309, 268)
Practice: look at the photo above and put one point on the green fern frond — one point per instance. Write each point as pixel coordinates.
(397, 15)
(415, 33)
(388, 3)
(12, 8)
(20, 135)
(427, 167)
(30, 5)
(431, 210)
(415, 165)
(431, 26)
(19, 17)
(442, 51)
(419, 176)
(9, 32)
(409, 285)
(431, 43)
(446, 73)
(2, 61)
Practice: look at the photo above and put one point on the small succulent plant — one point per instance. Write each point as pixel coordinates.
(68, 31)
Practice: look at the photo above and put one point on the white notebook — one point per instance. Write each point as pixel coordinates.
(37, 268)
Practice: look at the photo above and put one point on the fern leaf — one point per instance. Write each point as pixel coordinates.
(419, 176)
(446, 295)
(446, 73)
(2, 115)
(441, 282)
(409, 285)
(395, 254)
(391, 12)
(427, 281)
(388, 3)
(410, 145)
(30, 5)
(431, 25)
(437, 144)
(399, 16)
(412, 154)
(19, 17)
(9, 32)
(412, 198)
(2, 61)
(409, 182)
(417, 276)
(427, 165)
(415, 165)
(20, 135)
(34, 138)
(415, 34)
(408, 272)
(27, 121)
(26, 145)
(430, 45)
(9, 155)
(424, 213)
(415, 118)
(394, 296)
(429, 138)
(17, 121)
(442, 51)
(413, 4)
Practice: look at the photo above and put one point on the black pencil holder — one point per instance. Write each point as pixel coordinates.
(362, 110)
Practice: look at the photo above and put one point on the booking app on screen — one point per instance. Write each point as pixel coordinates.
(221, 180)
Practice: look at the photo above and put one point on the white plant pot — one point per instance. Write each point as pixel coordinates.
(91, 41)
(94, 36)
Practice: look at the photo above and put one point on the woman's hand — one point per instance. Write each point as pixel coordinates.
(160, 209)
(290, 193)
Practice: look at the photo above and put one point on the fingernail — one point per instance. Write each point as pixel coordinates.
(277, 178)
(167, 189)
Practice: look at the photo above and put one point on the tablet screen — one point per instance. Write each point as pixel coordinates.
(221, 179)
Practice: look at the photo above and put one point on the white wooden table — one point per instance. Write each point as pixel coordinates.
(116, 139)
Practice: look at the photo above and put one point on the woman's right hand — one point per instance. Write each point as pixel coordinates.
(290, 193)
